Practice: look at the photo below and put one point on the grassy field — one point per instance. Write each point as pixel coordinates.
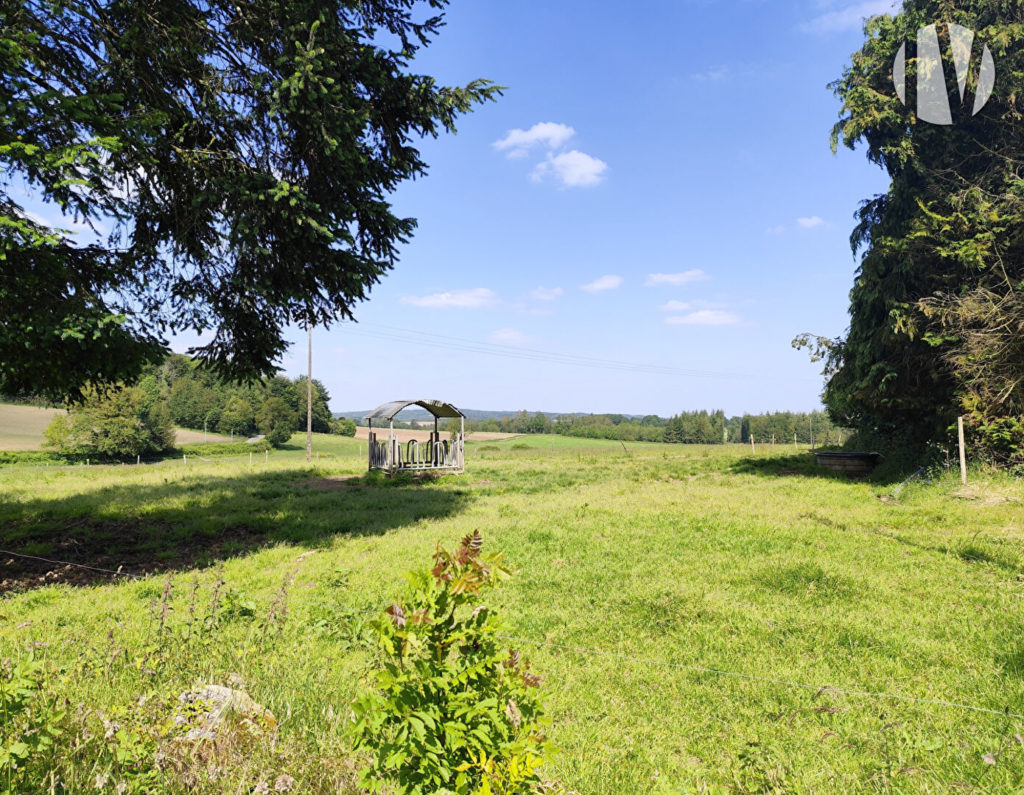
(643, 573)
(21, 428)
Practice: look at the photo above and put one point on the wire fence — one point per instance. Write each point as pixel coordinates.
(583, 650)
(255, 457)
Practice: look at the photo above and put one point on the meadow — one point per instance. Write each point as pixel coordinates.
(21, 427)
(704, 619)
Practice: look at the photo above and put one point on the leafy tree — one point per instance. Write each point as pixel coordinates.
(190, 402)
(233, 159)
(280, 434)
(117, 423)
(935, 309)
(539, 423)
(321, 410)
(237, 416)
(343, 427)
(277, 420)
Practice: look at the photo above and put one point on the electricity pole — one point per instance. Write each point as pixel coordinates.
(309, 393)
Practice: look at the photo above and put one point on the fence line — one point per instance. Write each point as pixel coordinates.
(117, 573)
(173, 459)
(141, 462)
(629, 658)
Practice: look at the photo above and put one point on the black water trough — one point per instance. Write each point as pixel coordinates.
(850, 463)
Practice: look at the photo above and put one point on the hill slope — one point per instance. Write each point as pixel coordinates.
(21, 428)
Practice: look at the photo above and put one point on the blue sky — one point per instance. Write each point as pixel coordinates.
(655, 188)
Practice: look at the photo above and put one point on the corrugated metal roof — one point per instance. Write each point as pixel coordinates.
(387, 411)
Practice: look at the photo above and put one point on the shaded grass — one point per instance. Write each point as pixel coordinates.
(660, 554)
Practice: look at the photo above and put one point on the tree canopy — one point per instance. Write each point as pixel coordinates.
(935, 310)
(234, 160)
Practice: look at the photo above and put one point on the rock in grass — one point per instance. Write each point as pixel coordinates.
(205, 710)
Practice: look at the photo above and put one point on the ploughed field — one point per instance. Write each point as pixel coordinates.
(694, 612)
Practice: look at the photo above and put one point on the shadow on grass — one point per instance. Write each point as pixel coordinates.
(805, 465)
(180, 524)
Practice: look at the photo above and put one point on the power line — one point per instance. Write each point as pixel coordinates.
(446, 342)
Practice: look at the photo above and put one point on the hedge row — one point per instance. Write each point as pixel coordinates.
(204, 449)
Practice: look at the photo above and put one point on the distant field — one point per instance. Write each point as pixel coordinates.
(643, 571)
(424, 435)
(21, 428)
(185, 436)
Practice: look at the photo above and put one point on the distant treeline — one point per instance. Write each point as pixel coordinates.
(128, 421)
(198, 399)
(688, 427)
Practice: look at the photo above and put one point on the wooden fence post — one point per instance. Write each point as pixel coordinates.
(963, 450)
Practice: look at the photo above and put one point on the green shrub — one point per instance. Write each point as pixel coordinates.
(281, 434)
(276, 414)
(212, 449)
(120, 422)
(29, 721)
(343, 427)
(452, 710)
(36, 457)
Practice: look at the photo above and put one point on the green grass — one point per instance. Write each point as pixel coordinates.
(666, 558)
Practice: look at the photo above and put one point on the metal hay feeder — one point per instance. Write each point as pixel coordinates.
(436, 454)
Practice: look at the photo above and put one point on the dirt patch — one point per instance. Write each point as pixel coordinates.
(984, 495)
(92, 553)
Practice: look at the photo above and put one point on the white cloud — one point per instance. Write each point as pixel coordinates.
(508, 336)
(676, 306)
(704, 317)
(518, 142)
(66, 224)
(676, 279)
(573, 169)
(849, 18)
(604, 283)
(459, 299)
(546, 293)
(810, 222)
(712, 74)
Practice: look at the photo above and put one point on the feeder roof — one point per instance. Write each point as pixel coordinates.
(438, 408)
